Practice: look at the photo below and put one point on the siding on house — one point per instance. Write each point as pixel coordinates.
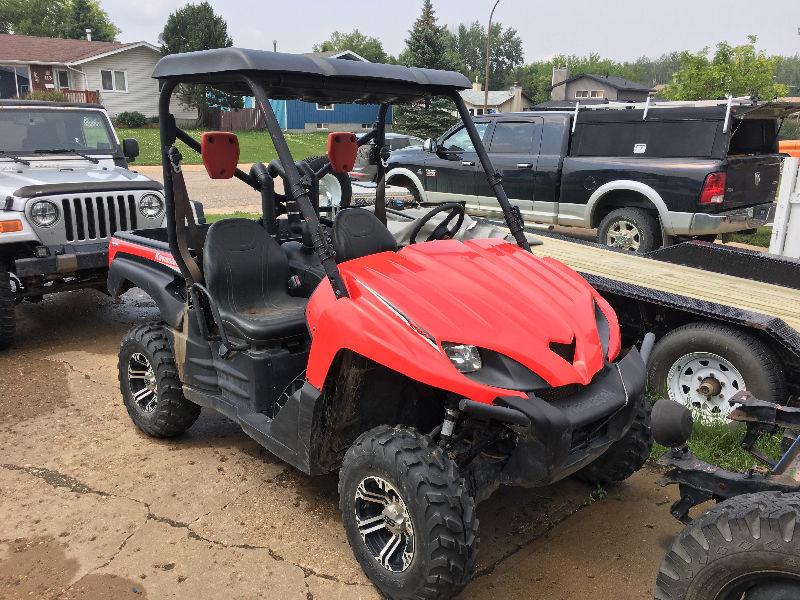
(301, 115)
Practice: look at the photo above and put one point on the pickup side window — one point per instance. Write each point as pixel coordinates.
(459, 141)
(514, 138)
(646, 139)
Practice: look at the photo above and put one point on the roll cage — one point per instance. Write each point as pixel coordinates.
(272, 75)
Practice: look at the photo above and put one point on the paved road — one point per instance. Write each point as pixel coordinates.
(92, 508)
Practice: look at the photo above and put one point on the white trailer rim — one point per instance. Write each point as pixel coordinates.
(704, 382)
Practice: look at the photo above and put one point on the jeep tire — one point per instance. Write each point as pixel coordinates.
(631, 229)
(407, 514)
(745, 547)
(7, 312)
(625, 456)
(151, 389)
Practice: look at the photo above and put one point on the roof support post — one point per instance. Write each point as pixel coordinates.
(380, 142)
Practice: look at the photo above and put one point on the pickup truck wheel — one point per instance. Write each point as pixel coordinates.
(335, 189)
(631, 229)
(745, 547)
(702, 365)
(626, 456)
(407, 515)
(151, 389)
(7, 313)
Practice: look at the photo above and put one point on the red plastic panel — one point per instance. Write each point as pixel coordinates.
(220, 151)
(342, 149)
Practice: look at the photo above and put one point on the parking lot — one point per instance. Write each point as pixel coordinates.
(88, 504)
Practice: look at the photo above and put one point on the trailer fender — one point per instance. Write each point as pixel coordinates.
(162, 285)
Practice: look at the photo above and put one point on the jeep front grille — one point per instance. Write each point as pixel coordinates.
(99, 217)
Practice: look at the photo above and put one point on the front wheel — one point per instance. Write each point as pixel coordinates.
(743, 548)
(407, 515)
(630, 229)
(7, 313)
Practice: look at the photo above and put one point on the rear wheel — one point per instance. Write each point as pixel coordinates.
(151, 389)
(7, 314)
(407, 515)
(744, 548)
(631, 229)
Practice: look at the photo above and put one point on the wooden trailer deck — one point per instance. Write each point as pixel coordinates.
(754, 296)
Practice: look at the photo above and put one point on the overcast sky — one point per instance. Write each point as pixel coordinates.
(619, 29)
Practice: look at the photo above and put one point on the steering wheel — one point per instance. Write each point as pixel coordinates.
(442, 231)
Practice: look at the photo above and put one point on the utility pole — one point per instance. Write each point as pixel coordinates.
(488, 53)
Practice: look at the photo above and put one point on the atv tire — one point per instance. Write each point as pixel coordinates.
(626, 456)
(745, 547)
(642, 227)
(387, 463)
(8, 321)
(346, 186)
(151, 389)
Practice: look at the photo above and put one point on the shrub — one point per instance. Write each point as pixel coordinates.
(48, 95)
(131, 120)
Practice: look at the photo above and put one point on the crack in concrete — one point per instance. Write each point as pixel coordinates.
(60, 480)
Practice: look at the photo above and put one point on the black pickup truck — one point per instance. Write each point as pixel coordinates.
(641, 174)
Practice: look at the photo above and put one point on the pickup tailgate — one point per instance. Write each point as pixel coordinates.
(751, 180)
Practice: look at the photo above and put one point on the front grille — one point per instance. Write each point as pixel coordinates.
(98, 217)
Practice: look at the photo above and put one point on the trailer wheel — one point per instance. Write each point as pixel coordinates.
(625, 457)
(631, 229)
(151, 389)
(702, 365)
(335, 189)
(7, 314)
(407, 515)
(745, 547)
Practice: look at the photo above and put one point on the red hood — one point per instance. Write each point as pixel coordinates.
(493, 295)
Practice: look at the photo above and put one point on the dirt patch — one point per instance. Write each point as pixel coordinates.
(30, 387)
(39, 568)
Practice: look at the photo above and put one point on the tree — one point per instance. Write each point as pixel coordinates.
(735, 70)
(468, 43)
(87, 14)
(370, 48)
(56, 18)
(191, 28)
(426, 47)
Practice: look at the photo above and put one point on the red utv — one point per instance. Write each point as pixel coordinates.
(426, 375)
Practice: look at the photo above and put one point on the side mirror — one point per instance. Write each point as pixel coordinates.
(130, 148)
(429, 145)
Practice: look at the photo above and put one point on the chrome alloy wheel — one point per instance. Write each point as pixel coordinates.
(142, 382)
(384, 524)
(624, 235)
(704, 382)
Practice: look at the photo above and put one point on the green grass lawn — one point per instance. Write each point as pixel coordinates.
(254, 146)
(759, 238)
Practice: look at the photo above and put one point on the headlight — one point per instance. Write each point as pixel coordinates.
(151, 206)
(465, 358)
(44, 213)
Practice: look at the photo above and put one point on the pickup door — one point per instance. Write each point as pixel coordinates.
(451, 173)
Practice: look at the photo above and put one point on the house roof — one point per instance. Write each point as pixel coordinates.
(496, 98)
(45, 50)
(612, 80)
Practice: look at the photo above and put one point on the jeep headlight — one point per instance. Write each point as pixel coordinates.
(151, 206)
(44, 213)
(464, 357)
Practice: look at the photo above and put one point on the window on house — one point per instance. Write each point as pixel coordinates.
(62, 80)
(366, 126)
(324, 106)
(113, 81)
(14, 82)
(582, 93)
(322, 125)
(597, 94)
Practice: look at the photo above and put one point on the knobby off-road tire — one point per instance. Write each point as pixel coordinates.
(730, 543)
(146, 357)
(644, 223)
(625, 456)
(317, 162)
(8, 321)
(442, 513)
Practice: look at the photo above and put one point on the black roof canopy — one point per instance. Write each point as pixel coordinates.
(304, 77)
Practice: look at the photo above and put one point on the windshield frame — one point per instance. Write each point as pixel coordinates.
(115, 152)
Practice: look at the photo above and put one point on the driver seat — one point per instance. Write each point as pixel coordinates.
(247, 275)
(358, 232)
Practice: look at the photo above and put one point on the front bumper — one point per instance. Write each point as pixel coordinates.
(567, 434)
(64, 260)
(724, 222)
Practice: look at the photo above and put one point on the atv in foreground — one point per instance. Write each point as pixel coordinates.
(427, 375)
(747, 547)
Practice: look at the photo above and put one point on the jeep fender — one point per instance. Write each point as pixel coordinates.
(408, 174)
(162, 285)
(631, 186)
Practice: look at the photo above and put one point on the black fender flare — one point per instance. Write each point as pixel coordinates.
(163, 285)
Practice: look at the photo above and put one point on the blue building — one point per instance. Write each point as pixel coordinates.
(298, 115)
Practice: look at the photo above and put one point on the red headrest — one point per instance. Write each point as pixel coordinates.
(220, 152)
(342, 149)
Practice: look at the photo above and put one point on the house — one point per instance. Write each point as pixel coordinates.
(300, 116)
(118, 75)
(499, 101)
(589, 88)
